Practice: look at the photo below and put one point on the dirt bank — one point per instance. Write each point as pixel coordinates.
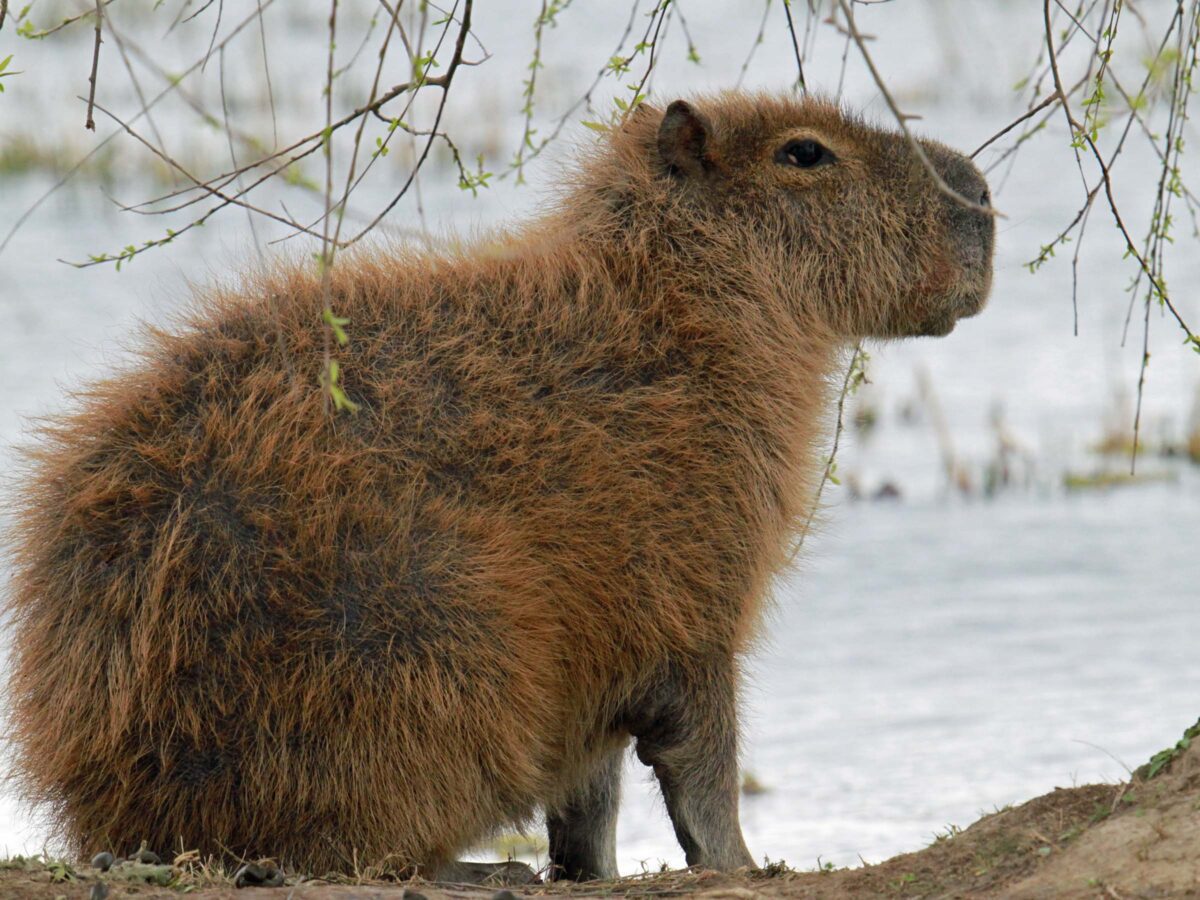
(1140, 839)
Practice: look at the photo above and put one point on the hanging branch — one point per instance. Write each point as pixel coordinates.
(856, 374)
(90, 124)
(902, 118)
(800, 82)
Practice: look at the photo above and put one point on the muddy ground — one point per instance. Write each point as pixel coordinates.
(1140, 839)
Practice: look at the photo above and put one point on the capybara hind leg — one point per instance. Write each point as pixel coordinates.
(583, 831)
(503, 874)
(687, 731)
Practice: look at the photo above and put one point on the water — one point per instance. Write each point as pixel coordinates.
(934, 661)
(930, 658)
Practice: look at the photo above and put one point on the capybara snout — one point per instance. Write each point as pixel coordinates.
(970, 223)
(247, 624)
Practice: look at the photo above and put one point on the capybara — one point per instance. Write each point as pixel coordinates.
(247, 623)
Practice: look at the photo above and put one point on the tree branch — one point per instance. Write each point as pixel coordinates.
(90, 124)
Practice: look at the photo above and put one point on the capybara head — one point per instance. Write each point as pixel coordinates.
(847, 219)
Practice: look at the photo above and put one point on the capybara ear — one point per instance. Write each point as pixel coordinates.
(683, 139)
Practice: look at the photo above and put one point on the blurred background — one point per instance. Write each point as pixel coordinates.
(989, 604)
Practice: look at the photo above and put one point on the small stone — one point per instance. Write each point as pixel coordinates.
(504, 894)
(147, 857)
(258, 875)
(102, 861)
(99, 891)
(410, 894)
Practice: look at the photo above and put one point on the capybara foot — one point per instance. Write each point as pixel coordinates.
(499, 874)
(258, 875)
(583, 831)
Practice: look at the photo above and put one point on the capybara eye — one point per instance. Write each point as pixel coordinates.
(805, 154)
(985, 199)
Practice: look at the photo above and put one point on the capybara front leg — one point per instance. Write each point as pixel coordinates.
(688, 733)
(583, 832)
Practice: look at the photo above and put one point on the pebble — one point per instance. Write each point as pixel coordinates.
(99, 891)
(102, 861)
(147, 857)
(504, 894)
(410, 894)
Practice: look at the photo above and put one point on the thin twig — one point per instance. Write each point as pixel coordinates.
(444, 82)
(397, 123)
(660, 16)
(123, 52)
(328, 373)
(758, 39)
(229, 135)
(75, 169)
(1077, 130)
(262, 37)
(903, 118)
(529, 92)
(65, 23)
(216, 28)
(1053, 98)
(351, 183)
(227, 199)
(90, 124)
(832, 460)
(585, 100)
(316, 138)
(787, 9)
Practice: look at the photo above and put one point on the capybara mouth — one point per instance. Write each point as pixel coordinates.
(964, 303)
(972, 304)
(974, 297)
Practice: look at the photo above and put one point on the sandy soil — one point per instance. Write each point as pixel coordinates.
(1140, 839)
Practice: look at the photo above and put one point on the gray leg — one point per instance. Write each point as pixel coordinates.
(583, 833)
(687, 731)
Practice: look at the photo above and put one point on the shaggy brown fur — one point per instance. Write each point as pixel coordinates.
(243, 624)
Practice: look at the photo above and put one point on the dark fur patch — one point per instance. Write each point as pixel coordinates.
(194, 767)
(217, 515)
(404, 613)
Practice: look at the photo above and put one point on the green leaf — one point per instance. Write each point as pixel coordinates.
(329, 380)
(337, 326)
